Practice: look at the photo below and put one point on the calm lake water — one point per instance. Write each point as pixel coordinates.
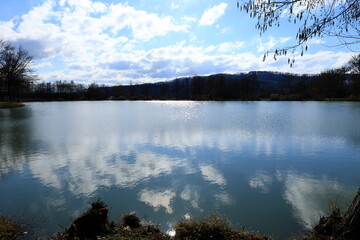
(275, 167)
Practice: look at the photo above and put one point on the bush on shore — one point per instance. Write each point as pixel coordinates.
(93, 224)
(10, 229)
(211, 227)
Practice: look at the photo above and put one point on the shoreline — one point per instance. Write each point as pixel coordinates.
(95, 224)
(6, 105)
(281, 99)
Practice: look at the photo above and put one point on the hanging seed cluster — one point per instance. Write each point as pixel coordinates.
(314, 19)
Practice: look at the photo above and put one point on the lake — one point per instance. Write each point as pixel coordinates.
(272, 167)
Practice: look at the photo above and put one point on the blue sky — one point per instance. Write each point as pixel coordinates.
(117, 42)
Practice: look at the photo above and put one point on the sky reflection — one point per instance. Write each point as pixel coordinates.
(168, 159)
(212, 175)
(158, 198)
(191, 194)
(311, 197)
(85, 175)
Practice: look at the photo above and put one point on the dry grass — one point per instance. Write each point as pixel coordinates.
(10, 229)
(211, 227)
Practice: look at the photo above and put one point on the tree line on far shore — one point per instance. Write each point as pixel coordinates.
(18, 82)
(341, 83)
(333, 84)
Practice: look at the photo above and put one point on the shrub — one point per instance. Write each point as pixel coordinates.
(10, 229)
(209, 227)
(131, 220)
(212, 226)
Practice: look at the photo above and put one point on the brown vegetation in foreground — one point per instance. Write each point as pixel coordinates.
(94, 224)
(10, 229)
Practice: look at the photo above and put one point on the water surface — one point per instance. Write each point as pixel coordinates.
(275, 167)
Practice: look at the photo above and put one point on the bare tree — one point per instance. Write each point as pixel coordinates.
(354, 65)
(16, 73)
(314, 18)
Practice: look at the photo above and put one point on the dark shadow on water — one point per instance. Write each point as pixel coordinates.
(15, 128)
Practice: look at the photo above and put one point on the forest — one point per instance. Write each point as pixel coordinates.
(257, 85)
(19, 83)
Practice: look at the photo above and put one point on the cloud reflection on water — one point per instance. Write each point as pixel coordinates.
(211, 174)
(192, 195)
(224, 198)
(261, 180)
(311, 197)
(169, 154)
(158, 198)
(85, 175)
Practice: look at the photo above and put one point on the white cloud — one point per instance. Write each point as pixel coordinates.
(296, 9)
(86, 5)
(143, 25)
(284, 39)
(114, 42)
(230, 46)
(43, 64)
(169, 62)
(7, 30)
(316, 41)
(62, 2)
(267, 45)
(190, 19)
(178, 60)
(49, 32)
(174, 5)
(211, 15)
(309, 63)
(226, 30)
(37, 23)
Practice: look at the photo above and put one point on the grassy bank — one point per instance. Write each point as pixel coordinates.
(94, 224)
(11, 104)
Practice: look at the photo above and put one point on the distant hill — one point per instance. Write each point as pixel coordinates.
(265, 78)
(240, 86)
